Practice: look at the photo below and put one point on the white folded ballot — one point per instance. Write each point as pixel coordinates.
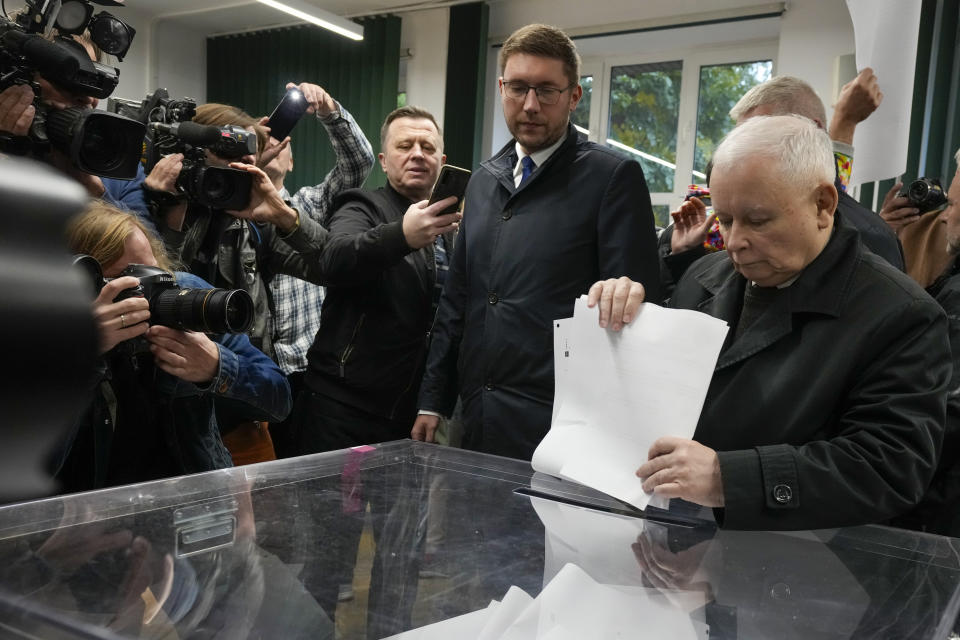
(617, 392)
(572, 606)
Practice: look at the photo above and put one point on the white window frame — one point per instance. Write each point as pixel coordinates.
(692, 60)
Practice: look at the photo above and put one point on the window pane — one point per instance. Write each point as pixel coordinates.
(661, 215)
(644, 110)
(581, 116)
(721, 86)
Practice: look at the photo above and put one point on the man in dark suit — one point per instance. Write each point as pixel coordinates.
(544, 218)
(828, 401)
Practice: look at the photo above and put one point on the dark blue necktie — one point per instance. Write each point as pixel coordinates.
(528, 165)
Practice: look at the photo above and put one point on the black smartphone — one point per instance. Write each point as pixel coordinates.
(452, 181)
(287, 113)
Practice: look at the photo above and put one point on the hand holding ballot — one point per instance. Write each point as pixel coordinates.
(632, 387)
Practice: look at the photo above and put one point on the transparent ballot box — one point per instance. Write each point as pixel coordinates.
(413, 540)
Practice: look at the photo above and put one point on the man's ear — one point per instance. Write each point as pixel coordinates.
(827, 198)
(383, 165)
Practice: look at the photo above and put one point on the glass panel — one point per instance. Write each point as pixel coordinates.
(644, 110)
(721, 85)
(661, 215)
(431, 535)
(581, 116)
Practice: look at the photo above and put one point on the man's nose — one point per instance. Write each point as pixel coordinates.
(530, 102)
(734, 239)
(417, 151)
(249, 159)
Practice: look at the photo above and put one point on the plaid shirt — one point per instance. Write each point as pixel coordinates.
(296, 316)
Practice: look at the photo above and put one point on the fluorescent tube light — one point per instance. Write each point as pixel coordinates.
(312, 15)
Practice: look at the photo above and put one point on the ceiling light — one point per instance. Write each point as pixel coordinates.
(319, 17)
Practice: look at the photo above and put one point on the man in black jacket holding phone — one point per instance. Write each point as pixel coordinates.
(384, 265)
(381, 264)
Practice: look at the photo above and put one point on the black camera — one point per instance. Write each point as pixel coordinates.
(170, 130)
(188, 309)
(925, 194)
(206, 310)
(99, 143)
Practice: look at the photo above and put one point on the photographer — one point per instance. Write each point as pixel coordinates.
(152, 414)
(243, 249)
(17, 114)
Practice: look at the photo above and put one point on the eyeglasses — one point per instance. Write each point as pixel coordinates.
(516, 90)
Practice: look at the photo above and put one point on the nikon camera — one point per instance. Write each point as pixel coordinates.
(187, 309)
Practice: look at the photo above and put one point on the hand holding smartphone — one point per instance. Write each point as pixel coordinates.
(452, 181)
(287, 113)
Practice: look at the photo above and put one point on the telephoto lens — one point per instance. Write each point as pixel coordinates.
(206, 310)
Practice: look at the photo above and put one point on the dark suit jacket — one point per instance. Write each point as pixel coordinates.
(829, 410)
(523, 256)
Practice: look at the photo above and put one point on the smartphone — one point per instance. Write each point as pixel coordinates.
(287, 113)
(452, 181)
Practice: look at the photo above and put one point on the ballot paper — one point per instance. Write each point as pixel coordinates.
(618, 392)
(881, 141)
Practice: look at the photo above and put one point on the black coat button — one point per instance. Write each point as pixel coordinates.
(507, 214)
(782, 493)
(493, 299)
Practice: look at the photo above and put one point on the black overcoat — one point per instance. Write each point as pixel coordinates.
(829, 410)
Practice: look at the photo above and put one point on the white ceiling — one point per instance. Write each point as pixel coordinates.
(225, 16)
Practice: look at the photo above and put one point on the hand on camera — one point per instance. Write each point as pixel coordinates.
(187, 355)
(163, 176)
(266, 204)
(618, 299)
(319, 100)
(897, 211)
(16, 109)
(122, 320)
(422, 222)
(691, 224)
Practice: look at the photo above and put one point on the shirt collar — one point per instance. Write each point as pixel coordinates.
(539, 157)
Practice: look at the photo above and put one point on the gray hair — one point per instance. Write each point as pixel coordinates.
(783, 95)
(802, 150)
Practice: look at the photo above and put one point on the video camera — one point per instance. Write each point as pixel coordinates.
(99, 143)
(170, 130)
(187, 309)
(926, 194)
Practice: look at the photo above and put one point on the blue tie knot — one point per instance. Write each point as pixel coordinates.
(528, 165)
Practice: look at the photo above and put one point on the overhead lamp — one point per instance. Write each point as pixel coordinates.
(319, 17)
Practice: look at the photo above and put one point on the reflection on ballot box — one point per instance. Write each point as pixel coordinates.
(234, 554)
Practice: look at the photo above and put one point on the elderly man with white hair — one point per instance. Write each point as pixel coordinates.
(827, 404)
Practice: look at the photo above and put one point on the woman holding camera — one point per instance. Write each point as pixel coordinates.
(152, 413)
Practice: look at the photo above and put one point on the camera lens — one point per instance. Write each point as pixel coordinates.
(918, 191)
(104, 144)
(216, 187)
(206, 310)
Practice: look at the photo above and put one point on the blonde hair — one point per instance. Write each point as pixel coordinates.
(220, 115)
(101, 231)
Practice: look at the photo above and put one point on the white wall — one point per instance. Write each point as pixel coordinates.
(133, 69)
(812, 35)
(425, 34)
(179, 60)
